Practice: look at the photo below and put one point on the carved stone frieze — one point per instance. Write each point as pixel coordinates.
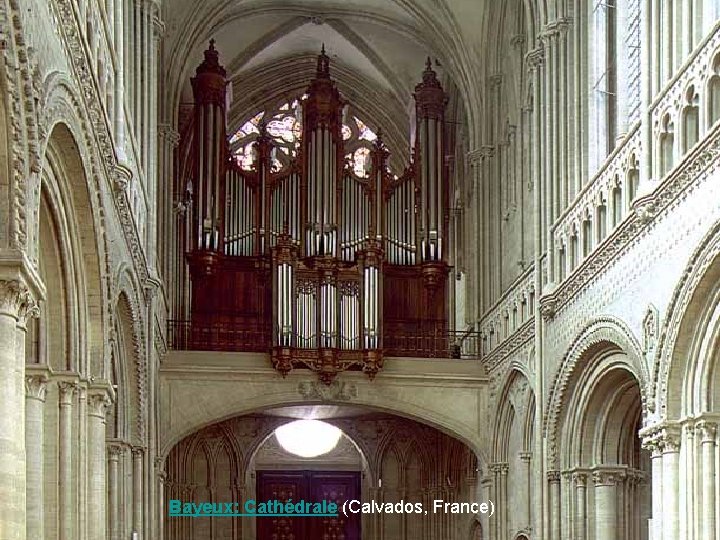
(336, 391)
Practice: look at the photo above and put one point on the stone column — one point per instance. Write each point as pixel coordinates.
(98, 402)
(708, 432)
(553, 478)
(35, 392)
(114, 451)
(606, 500)
(656, 466)
(666, 467)
(137, 462)
(66, 508)
(15, 300)
(526, 458)
(160, 510)
(580, 482)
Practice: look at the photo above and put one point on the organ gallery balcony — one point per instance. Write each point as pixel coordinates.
(427, 341)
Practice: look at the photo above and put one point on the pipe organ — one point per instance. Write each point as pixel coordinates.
(325, 266)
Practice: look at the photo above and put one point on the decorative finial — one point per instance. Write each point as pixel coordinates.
(323, 64)
(428, 64)
(212, 44)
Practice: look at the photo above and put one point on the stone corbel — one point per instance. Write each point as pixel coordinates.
(122, 176)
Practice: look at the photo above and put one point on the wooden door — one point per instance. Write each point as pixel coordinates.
(312, 486)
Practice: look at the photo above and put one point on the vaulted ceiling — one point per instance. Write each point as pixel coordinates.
(377, 50)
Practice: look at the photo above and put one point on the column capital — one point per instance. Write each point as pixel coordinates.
(100, 398)
(535, 58)
(36, 385)
(168, 134)
(17, 301)
(661, 439)
(137, 452)
(495, 81)
(115, 449)
(67, 389)
(608, 477)
(525, 457)
(707, 431)
(580, 479)
(553, 477)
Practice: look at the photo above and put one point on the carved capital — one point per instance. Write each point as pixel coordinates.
(16, 300)
(535, 58)
(137, 452)
(168, 134)
(553, 477)
(115, 449)
(67, 391)
(98, 403)
(607, 477)
(580, 479)
(525, 457)
(36, 386)
(707, 431)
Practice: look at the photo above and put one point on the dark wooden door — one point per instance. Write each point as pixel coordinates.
(312, 486)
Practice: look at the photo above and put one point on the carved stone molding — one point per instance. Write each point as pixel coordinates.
(696, 168)
(336, 391)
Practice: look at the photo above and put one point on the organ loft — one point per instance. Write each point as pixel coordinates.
(316, 251)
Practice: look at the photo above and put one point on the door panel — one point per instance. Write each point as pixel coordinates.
(312, 486)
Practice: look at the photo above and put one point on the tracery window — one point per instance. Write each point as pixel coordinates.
(284, 126)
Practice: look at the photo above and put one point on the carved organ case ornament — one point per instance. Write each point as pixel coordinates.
(327, 268)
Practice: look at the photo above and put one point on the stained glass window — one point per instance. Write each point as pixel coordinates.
(284, 126)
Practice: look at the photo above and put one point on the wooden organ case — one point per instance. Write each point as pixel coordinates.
(322, 268)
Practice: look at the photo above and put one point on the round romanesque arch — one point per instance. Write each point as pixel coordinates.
(688, 348)
(72, 205)
(601, 336)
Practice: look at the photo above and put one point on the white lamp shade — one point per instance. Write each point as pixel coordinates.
(308, 438)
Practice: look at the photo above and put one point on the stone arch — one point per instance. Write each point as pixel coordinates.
(129, 334)
(286, 394)
(688, 345)
(601, 335)
(67, 178)
(57, 325)
(604, 398)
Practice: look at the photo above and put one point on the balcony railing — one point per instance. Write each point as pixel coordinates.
(429, 341)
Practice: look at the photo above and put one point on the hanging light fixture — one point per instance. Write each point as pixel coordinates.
(308, 438)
